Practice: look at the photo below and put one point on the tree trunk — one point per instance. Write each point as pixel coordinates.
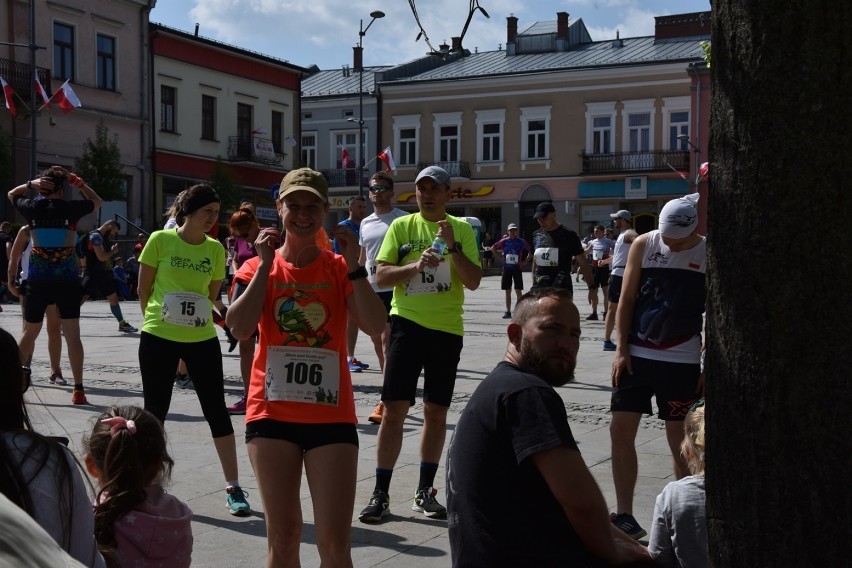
(779, 409)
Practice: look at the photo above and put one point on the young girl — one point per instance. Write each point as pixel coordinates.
(301, 411)
(679, 530)
(180, 273)
(136, 522)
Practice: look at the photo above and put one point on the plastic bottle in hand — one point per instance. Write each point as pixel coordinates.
(438, 247)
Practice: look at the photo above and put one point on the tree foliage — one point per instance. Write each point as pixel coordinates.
(100, 165)
(222, 180)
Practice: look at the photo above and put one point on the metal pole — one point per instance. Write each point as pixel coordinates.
(361, 112)
(33, 161)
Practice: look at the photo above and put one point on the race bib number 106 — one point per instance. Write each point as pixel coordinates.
(302, 374)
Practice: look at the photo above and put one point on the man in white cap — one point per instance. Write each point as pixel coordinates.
(622, 220)
(659, 322)
(513, 249)
(426, 332)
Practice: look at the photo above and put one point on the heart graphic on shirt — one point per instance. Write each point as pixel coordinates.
(315, 314)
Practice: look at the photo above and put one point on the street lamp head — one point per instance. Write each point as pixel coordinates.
(685, 138)
(377, 14)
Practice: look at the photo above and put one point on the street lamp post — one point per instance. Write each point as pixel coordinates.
(361, 148)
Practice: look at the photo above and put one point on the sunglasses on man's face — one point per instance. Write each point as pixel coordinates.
(379, 189)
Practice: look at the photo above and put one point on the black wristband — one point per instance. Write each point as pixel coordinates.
(29, 184)
(360, 272)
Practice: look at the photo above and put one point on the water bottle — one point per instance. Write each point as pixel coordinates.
(439, 245)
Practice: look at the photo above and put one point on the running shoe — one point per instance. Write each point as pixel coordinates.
(78, 397)
(628, 525)
(378, 507)
(56, 378)
(424, 502)
(125, 327)
(355, 361)
(184, 381)
(353, 367)
(236, 501)
(378, 412)
(593, 317)
(609, 346)
(507, 315)
(238, 407)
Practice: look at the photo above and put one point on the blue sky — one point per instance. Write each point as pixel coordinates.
(323, 32)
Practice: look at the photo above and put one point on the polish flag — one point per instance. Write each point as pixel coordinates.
(345, 159)
(8, 93)
(704, 170)
(40, 90)
(66, 98)
(386, 156)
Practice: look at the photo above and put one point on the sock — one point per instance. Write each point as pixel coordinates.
(383, 479)
(116, 311)
(427, 474)
(234, 483)
(78, 387)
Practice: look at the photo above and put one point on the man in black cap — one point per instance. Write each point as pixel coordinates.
(554, 248)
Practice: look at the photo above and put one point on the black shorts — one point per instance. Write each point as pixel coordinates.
(512, 276)
(306, 436)
(673, 385)
(386, 298)
(98, 284)
(414, 348)
(614, 292)
(600, 277)
(66, 296)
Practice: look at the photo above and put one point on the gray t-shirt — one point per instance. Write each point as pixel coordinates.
(679, 529)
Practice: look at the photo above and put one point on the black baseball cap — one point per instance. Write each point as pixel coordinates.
(544, 209)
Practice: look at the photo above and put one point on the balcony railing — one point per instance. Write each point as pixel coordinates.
(20, 77)
(253, 149)
(345, 177)
(457, 170)
(659, 160)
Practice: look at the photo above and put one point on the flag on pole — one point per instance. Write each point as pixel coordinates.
(259, 132)
(66, 98)
(704, 170)
(290, 140)
(40, 90)
(386, 156)
(8, 93)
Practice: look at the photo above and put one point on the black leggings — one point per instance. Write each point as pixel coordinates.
(158, 359)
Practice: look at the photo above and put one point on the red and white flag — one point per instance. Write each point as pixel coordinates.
(386, 156)
(345, 159)
(40, 90)
(8, 93)
(65, 98)
(704, 170)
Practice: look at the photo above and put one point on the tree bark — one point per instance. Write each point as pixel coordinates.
(779, 410)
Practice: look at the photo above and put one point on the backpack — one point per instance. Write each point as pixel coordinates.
(82, 245)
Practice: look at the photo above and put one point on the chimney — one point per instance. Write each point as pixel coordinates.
(511, 29)
(562, 25)
(444, 47)
(358, 60)
(617, 42)
(197, 25)
(457, 46)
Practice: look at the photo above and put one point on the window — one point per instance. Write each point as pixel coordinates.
(168, 99)
(244, 122)
(63, 51)
(277, 131)
(309, 151)
(106, 62)
(675, 122)
(639, 133)
(489, 135)
(638, 126)
(600, 128)
(535, 133)
(348, 140)
(407, 147)
(679, 125)
(208, 117)
(447, 127)
(406, 132)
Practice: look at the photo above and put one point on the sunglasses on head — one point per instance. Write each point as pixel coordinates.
(379, 189)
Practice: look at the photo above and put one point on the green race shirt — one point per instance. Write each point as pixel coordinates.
(179, 308)
(433, 300)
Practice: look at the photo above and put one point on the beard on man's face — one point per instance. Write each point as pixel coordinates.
(555, 371)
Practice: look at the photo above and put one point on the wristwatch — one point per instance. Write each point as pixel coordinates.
(455, 248)
(360, 272)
